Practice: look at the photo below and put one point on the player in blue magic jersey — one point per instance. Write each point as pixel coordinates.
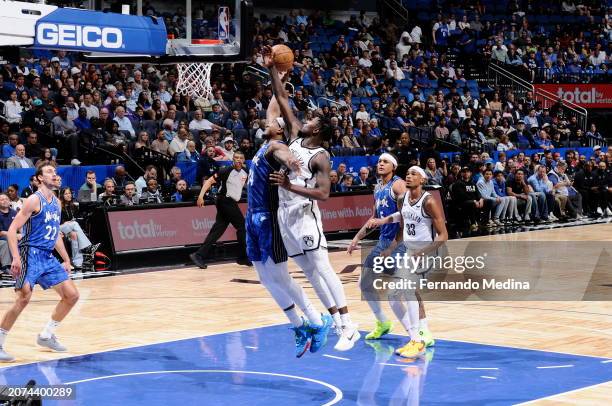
(33, 260)
(264, 243)
(388, 189)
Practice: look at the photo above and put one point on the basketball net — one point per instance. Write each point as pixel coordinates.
(194, 79)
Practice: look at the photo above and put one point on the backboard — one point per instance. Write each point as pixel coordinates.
(214, 33)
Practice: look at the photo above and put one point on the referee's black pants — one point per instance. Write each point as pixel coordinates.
(228, 213)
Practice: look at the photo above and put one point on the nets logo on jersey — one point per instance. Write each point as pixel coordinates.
(89, 36)
(308, 240)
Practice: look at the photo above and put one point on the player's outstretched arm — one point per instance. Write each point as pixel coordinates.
(278, 88)
(363, 231)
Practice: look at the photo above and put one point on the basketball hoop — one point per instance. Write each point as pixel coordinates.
(194, 79)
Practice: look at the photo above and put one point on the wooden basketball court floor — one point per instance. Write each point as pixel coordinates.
(133, 310)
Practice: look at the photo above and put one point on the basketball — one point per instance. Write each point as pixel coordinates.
(283, 57)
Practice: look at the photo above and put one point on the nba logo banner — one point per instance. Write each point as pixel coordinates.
(224, 23)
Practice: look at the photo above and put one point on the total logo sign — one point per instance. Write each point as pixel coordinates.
(72, 35)
(140, 230)
(584, 95)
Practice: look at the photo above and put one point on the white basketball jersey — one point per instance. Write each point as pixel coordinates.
(418, 226)
(306, 177)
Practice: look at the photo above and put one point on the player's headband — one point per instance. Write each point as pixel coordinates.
(388, 157)
(281, 122)
(418, 169)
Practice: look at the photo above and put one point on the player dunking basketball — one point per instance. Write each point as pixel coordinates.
(299, 217)
(33, 260)
(263, 238)
(422, 231)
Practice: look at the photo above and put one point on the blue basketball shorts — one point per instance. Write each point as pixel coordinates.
(263, 238)
(39, 266)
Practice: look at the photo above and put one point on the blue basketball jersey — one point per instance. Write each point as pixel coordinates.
(385, 206)
(262, 196)
(42, 228)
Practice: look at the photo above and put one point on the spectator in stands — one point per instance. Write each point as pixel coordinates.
(542, 187)
(65, 132)
(200, 123)
(179, 143)
(8, 150)
(31, 188)
(228, 148)
(142, 182)
(71, 228)
(33, 149)
(151, 193)
(7, 215)
(473, 209)
(364, 179)
(435, 175)
(234, 122)
(87, 104)
(13, 110)
(46, 158)
(12, 191)
(129, 198)
(125, 124)
(601, 189)
(335, 187)
(121, 177)
(161, 144)
(109, 191)
(88, 192)
(182, 193)
(189, 155)
(347, 183)
(82, 122)
(487, 191)
(19, 160)
(247, 149)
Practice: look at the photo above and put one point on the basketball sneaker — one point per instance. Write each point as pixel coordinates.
(302, 339)
(382, 328)
(413, 349)
(350, 335)
(51, 343)
(427, 337)
(318, 334)
(5, 356)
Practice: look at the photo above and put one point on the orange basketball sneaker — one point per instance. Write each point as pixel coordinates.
(413, 349)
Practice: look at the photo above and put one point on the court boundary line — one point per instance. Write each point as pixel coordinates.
(4, 367)
(339, 395)
(562, 393)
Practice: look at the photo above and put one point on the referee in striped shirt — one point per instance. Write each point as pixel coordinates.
(231, 181)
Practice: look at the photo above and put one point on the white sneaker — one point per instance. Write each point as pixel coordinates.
(608, 212)
(75, 162)
(350, 335)
(599, 211)
(5, 356)
(552, 217)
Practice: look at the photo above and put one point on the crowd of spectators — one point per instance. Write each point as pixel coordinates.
(383, 89)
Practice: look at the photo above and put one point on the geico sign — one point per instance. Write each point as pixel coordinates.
(577, 96)
(79, 35)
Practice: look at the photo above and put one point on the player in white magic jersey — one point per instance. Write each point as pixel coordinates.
(422, 231)
(299, 217)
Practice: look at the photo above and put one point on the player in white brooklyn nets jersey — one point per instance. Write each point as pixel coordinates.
(299, 217)
(422, 231)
